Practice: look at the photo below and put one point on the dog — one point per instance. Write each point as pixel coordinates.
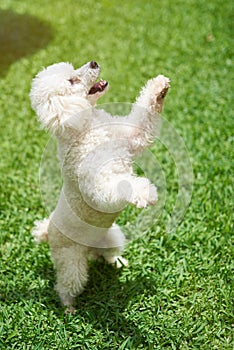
(95, 151)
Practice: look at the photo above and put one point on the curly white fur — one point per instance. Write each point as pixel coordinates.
(95, 152)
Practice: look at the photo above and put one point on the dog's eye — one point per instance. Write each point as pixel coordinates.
(74, 80)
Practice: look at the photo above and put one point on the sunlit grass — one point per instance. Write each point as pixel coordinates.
(178, 290)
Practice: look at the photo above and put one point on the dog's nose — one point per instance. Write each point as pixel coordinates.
(93, 64)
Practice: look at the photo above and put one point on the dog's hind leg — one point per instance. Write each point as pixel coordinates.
(71, 267)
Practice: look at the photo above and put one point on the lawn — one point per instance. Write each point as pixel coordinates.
(177, 292)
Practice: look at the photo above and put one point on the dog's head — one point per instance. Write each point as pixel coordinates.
(60, 92)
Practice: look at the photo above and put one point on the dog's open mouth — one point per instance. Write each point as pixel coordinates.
(98, 87)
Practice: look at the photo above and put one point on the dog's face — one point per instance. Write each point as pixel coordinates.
(60, 90)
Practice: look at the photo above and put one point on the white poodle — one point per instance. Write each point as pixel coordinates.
(95, 152)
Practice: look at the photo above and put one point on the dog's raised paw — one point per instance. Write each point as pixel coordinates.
(157, 88)
(145, 194)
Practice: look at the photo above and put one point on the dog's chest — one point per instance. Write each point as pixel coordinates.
(96, 146)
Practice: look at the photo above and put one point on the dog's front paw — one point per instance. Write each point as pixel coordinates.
(145, 194)
(158, 88)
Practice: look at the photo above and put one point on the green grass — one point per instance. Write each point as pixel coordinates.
(178, 290)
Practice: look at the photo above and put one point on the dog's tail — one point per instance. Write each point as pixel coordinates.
(40, 230)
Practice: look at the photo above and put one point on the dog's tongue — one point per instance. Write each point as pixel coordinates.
(98, 87)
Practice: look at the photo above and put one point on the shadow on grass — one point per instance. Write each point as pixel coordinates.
(20, 35)
(103, 304)
(106, 299)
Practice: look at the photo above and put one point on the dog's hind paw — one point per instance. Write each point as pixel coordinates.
(70, 310)
(118, 261)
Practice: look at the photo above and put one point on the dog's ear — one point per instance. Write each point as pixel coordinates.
(54, 113)
(45, 105)
(48, 114)
(58, 112)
